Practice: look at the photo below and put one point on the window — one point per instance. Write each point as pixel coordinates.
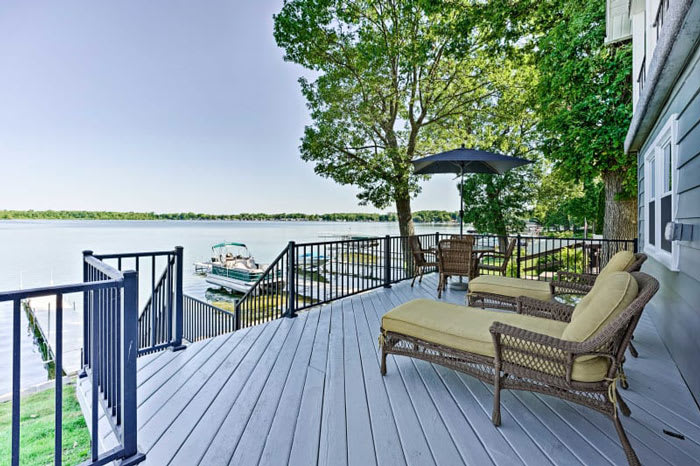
(660, 198)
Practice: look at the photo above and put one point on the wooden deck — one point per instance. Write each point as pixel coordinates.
(308, 391)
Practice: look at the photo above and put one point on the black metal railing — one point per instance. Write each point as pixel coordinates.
(272, 295)
(641, 77)
(160, 321)
(109, 358)
(202, 320)
(541, 257)
(659, 17)
(309, 274)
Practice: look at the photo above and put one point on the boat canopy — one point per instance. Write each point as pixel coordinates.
(228, 243)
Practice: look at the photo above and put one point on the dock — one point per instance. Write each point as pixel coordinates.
(42, 311)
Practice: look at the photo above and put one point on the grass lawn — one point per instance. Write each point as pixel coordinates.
(37, 429)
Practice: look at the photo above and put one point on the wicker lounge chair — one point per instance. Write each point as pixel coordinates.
(504, 256)
(547, 348)
(503, 292)
(420, 263)
(455, 258)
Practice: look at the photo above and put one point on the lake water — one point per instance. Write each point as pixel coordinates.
(36, 253)
(42, 252)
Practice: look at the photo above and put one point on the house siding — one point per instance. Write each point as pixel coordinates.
(676, 308)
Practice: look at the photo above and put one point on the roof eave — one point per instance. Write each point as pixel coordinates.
(677, 42)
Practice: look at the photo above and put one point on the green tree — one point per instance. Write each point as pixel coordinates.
(563, 202)
(500, 204)
(585, 98)
(386, 74)
(584, 92)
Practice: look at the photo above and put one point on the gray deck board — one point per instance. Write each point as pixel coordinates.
(263, 387)
(333, 442)
(203, 428)
(192, 402)
(308, 391)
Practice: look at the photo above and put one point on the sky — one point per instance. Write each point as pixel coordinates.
(159, 105)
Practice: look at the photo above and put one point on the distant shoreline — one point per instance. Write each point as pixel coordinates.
(422, 216)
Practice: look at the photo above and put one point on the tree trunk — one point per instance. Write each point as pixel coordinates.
(403, 212)
(620, 214)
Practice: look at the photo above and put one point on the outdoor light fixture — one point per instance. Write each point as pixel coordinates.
(678, 231)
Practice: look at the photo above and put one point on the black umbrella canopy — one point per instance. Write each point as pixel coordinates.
(467, 161)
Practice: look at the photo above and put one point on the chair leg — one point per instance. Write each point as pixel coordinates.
(629, 451)
(496, 416)
(633, 350)
(624, 409)
(414, 280)
(623, 379)
(420, 280)
(439, 290)
(383, 367)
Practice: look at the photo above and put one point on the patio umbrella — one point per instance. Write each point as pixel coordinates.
(461, 161)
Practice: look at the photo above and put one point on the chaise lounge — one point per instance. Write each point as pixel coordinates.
(547, 347)
(500, 292)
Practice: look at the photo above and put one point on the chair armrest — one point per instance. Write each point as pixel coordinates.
(493, 254)
(583, 278)
(546, 309)
(536, 355)
(567, 287)
(526, 336)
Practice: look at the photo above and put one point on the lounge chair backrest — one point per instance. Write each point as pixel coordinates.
(618, 263)
(455, 256)
(469, 238)
(606, 300)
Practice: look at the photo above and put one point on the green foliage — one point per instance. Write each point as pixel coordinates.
(563, 202)
(37, 429)
(388, 76)
(585, 95)
(421, 216)
(500, 204)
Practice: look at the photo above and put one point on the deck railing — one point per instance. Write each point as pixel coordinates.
(109, 358)
(309, 274)
(202, 320)
(161, 320)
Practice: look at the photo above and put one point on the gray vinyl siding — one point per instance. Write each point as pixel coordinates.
(677, 305)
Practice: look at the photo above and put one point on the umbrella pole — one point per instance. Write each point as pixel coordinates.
(461, 200)
(460, 285)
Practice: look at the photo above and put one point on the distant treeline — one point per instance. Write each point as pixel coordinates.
(421, 216)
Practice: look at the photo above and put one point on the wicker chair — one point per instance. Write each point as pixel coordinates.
(455, 258)
(469, 238)
(581, 283)
(503, 256)
(526, 360)
(420, 263)
(567, 283)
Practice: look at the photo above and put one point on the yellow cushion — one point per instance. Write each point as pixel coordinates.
(618, 263)
(467, 329)
(606, 300)
(513, 287)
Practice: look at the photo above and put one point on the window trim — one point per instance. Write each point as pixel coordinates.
(667, 135)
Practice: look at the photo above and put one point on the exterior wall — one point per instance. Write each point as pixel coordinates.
(638, 20)
(676, 308)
